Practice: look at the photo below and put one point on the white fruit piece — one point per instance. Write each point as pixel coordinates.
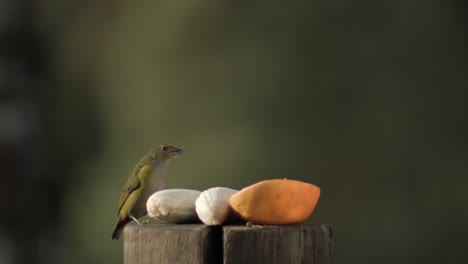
(212, 205)
(173, 205)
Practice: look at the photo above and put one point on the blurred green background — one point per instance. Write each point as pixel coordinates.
(365, 99)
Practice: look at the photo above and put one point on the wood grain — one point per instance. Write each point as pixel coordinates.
(171, 244)
(303, 244)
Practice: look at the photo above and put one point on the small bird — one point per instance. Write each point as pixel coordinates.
(146, 178)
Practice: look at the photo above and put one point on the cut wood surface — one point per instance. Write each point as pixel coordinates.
(237, 244)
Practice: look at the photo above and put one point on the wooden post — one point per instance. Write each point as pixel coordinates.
(302, 244)
(171, 244)
(163, 244)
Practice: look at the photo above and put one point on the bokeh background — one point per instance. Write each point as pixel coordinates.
(366, 99)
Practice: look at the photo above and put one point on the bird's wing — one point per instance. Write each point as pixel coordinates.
(132, 184)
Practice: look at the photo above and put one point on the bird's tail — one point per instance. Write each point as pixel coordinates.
(118, 228)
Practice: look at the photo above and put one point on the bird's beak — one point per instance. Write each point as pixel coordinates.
(175, 151)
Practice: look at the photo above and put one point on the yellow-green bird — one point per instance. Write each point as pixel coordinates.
(147, 178)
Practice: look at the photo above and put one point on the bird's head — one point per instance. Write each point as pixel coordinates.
(165, 151)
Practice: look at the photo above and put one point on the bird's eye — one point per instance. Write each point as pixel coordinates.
(163, 148)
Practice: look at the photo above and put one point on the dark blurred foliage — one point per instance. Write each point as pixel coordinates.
(365, 99)
(30, 186)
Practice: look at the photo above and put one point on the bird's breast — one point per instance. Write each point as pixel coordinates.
(155, 181)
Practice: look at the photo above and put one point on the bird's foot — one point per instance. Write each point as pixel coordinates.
(136, 220)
